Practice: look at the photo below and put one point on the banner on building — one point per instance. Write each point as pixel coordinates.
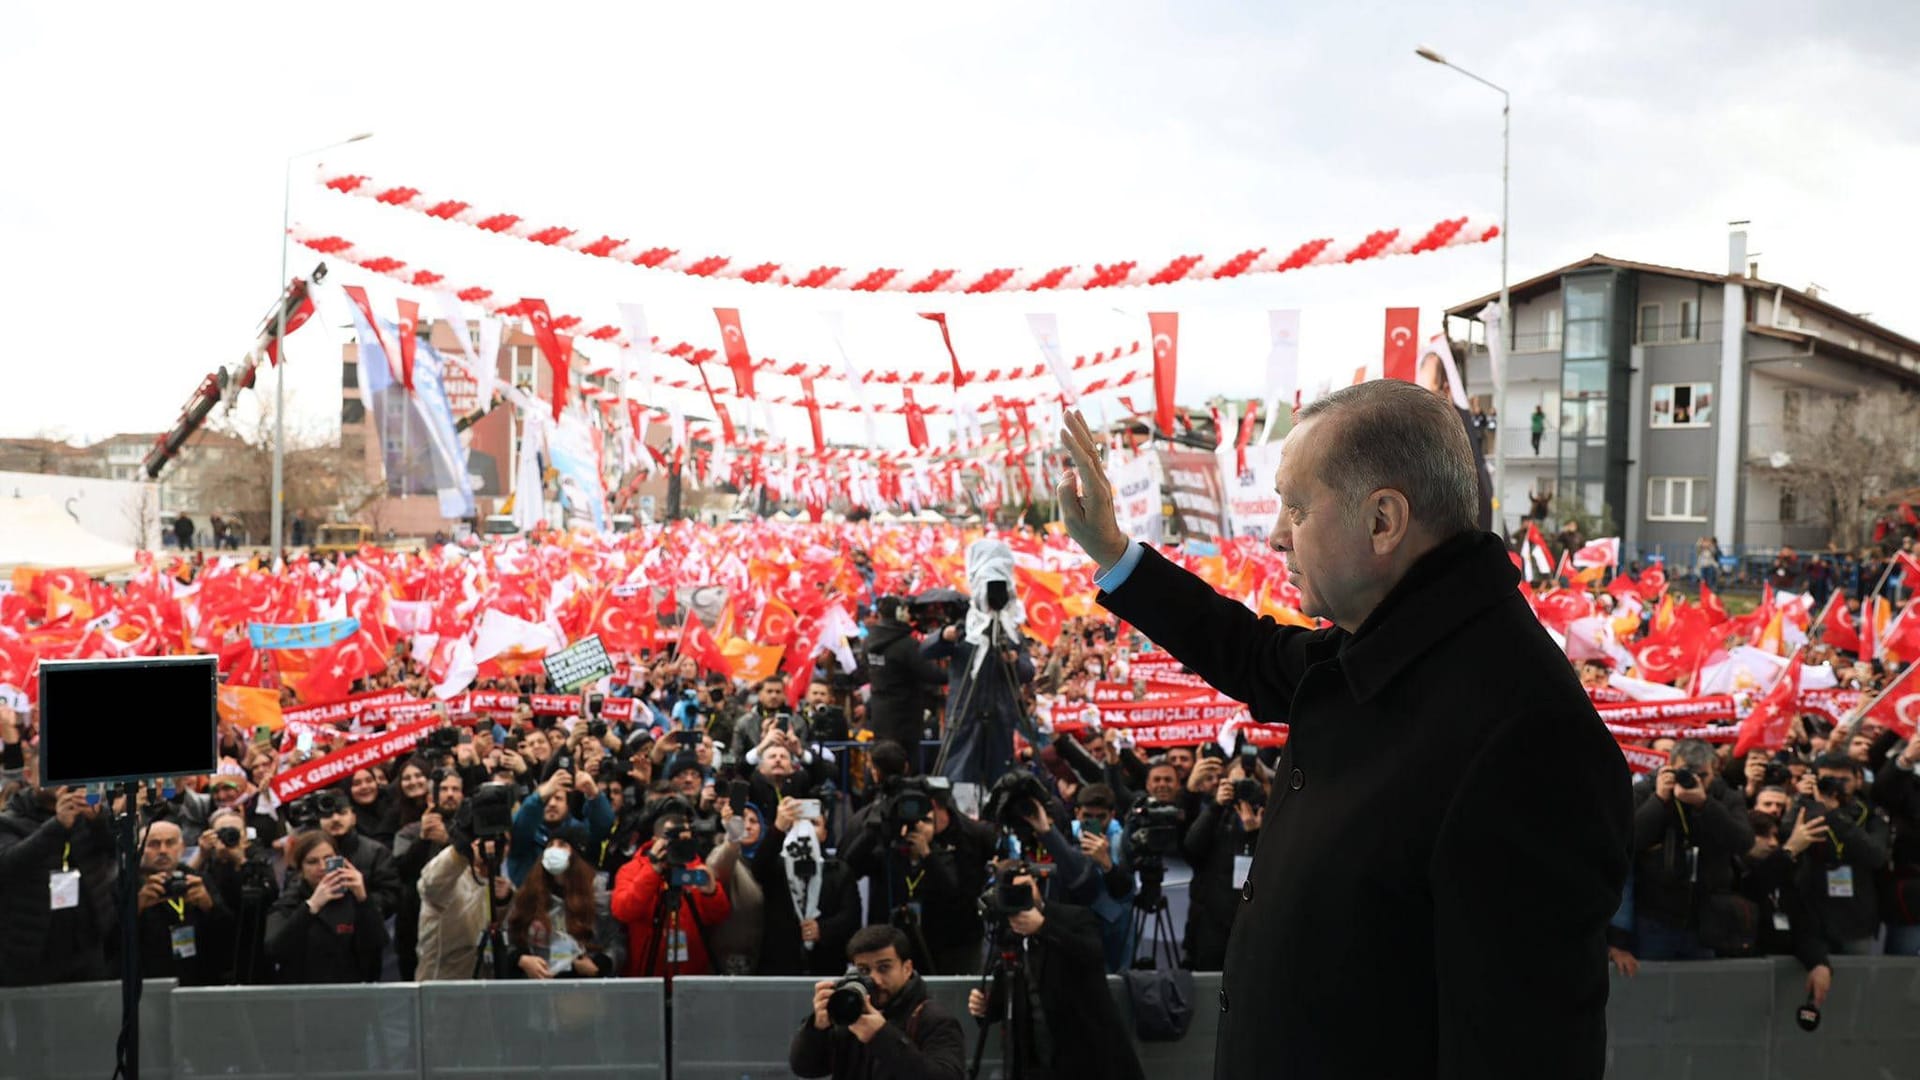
(1252, 503)
(1136, 498)
(1199, 505)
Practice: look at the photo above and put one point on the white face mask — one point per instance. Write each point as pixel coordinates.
(556, 860)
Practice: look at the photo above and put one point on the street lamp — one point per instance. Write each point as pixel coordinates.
(1428, 52)
(280, 352)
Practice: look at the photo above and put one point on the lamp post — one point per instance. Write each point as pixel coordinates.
(1428, 52)
(280, 353)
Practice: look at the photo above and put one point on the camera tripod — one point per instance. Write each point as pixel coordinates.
(964, 700)
(1009, 1002)
(491, 950)
(1152, 923)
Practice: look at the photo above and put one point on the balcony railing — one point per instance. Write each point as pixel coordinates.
(1677, 334)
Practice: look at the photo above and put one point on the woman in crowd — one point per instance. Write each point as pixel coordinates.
(376, 810)
(736, 942)
(415, 788)
(322, 930)
(555, 926)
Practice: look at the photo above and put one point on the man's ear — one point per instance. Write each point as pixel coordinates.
(1389, 519)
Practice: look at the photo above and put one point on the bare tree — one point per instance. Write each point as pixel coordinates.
(143, 516)
(319, 476)
(1846, 453)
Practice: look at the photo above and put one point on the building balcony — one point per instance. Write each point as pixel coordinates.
(1695, 333)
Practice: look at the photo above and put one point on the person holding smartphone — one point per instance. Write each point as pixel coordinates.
(323, 929)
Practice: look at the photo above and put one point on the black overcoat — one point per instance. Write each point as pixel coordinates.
(1447, 837)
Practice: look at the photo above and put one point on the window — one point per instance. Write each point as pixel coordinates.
(1552, 325)
(1648, 329)
(1789, 507)
(1683, 405)
(1689, 320)
(1677, 498)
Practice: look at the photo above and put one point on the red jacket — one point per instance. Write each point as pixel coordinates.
(637, 889)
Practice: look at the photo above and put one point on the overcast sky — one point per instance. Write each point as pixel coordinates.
(140, 201)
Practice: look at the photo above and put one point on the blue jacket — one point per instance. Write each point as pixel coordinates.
(530, 833)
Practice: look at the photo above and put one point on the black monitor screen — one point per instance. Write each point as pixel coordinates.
(129, 719)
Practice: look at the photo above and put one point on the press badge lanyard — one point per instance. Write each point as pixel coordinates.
(1840, 849)
(913, 883)
(66, 851)
(179, 908)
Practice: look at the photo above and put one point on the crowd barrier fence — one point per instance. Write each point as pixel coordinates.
(1731, 1019)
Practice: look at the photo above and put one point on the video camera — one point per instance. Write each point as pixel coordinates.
(1012, 800)
(492, 811)
(904, 803)
(305, 814)
(441, 741)
(1153, 828)
(684, 844)
(827, 722)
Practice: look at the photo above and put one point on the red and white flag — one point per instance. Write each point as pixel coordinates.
(1400, 345)
(946, 337)
(1901, 640)
(1601, 552)
(1765, 728)
(407, 328)
(1165, 328)
(1535, 550)
(734, 341)
(556, 347)
(1908, 565)
(359, 297)
(1898, 706)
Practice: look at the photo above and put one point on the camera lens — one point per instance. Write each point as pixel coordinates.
(848, 1002)
(229, 836)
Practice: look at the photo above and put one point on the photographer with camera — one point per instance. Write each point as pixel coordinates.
(456, 912)
(565, 798)
(766, 713)
(1835, 870)
(952, 928)
(185, 931)
(338, 820)
(669, 899)
(416, 845)
(1051, 955)
(1220, 845)
(1689, 827)
(57, 871)
(323, 929)
(891, 846)
(555, 928)
(239, 876)
(900, 673)
(878, 1021)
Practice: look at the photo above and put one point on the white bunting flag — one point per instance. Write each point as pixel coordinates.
(1283, 365)
(1046, 332)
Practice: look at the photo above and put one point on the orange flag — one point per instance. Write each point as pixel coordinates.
(250, 707)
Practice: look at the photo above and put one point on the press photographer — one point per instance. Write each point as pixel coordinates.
(415, 846)
(456, 913)
(241, 879)
(1688, 828)
(878, 1020)
(1835, 875)
(669, 899)
(952, 927)
(185, 931)
(1219, 845)
(892, 848)
(810, 903)
(1049, 953)
(900, 672)
(57, 906)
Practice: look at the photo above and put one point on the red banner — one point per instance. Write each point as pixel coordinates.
(1399, 348)
(1642, 761)
(349, 709)
(338, 766)
(1717, 707)
(1647, 733)
(1834, 704)
(1109, 693)
(1165, 327)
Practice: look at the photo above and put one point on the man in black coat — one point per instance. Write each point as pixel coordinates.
(370, 857)
(57, 906)
(900, 675)
(902, 1033)
(1447, 837)
(1077, 1031)
(1689, 827)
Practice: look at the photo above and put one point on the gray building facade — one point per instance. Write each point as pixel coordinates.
(1668, 394)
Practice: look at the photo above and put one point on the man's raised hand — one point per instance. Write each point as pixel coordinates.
(1086, 496)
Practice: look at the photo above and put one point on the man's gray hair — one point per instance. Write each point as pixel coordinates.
(1695, 754)
(1386, 433)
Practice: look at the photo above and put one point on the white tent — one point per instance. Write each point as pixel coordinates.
(34, 531)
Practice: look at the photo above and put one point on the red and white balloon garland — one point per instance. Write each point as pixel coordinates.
(1450, 232)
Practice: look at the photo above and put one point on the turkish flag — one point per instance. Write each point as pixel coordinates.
(946, 336)
(298, 295)
(1045, 617)
(409, 319)
(1559, 608)
(359, 297)
(1661, 660)
(1165, 327)
(1909, 566)
(1400, 347)
(556, 347)
(916, 421)
(734, 341)
(1898, 706)
(1653, 582)
(1709, 603)
(1765, 728)
(1837, 628)
(774, 625)
(1901, 642)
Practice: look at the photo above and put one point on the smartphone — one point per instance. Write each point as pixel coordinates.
(809, 809)
(335, 862)
(304, 743)
(93, 794)
(739, 794)
(736, 829)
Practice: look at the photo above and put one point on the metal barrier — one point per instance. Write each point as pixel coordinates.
(1700, 1021)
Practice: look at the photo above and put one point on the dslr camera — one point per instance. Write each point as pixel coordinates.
(1014, 798)
(848, 1002)
(905, 802)
(1686, 778)
(1833, 787)
(176, 884)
